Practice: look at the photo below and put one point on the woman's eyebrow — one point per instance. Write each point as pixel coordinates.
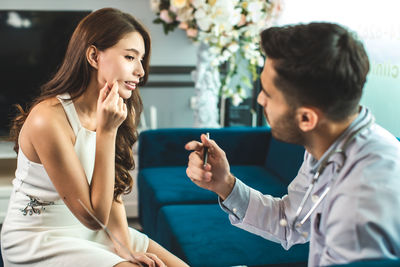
(133, 50)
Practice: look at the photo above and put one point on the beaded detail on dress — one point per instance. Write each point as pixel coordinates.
(35, 206)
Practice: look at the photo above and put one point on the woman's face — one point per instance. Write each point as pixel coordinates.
(122, 63)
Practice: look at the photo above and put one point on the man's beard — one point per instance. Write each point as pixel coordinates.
(287, 130)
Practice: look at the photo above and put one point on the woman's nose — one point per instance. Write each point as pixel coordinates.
(139, 70)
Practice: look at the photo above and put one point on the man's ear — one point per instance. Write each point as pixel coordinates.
(92, 56)
(307, 118)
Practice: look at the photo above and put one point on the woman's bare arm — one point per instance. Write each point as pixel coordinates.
(48, 135)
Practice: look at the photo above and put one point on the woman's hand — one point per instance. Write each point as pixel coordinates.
(144, 258)
(111, 109)
(149, 259)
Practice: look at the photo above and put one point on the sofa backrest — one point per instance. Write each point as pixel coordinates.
(284, 160)
(165, 147)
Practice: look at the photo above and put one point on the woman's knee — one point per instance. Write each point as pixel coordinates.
(126, 264)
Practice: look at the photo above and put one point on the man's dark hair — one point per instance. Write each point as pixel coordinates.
(318, 64)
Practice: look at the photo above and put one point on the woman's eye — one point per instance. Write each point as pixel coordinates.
(129, 58)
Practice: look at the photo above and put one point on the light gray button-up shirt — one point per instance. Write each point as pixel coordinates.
(358, 219)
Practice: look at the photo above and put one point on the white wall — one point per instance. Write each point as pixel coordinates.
(378, 26)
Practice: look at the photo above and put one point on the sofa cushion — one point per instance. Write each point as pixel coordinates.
(372, 263)
(202, 236)
(284, 160)
(258, 177)
(160, 186)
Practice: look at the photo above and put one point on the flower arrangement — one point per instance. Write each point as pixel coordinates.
(231, 30)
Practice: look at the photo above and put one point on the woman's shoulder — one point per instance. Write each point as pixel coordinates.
(48, 115)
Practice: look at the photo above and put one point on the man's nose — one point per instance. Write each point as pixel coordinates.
(261, 100)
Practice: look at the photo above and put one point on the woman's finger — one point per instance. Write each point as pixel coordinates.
(156, 259)
(146, 260)
(103, 93)
(112, 97)
(120, 104)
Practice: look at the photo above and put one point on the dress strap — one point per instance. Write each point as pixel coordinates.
(70, 111)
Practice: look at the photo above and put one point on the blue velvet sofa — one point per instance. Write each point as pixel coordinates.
(373, 263)
(188, 221)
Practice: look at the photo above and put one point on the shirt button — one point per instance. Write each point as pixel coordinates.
(314, 198)
(304, 234)
(234, 210)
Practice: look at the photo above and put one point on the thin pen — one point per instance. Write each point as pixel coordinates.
(205, 157)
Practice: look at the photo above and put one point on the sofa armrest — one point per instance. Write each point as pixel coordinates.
(165, 147)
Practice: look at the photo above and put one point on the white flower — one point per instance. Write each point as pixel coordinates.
(231, 29)
(260, 61)
(215, 62)
(224, 41)
(215, 50)
(155, 5)
(233, 47)
(236, 99)
(224, 13)
(204, 22)
(198, 3)
(178, 3)
(184, 14)
(255, 10)
(226, 55)
(200, 13)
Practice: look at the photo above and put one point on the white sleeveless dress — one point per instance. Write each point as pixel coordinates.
(40, 230)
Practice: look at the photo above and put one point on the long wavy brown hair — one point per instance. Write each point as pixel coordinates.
(103, 29)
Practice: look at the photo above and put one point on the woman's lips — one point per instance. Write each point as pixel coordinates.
(130, 85)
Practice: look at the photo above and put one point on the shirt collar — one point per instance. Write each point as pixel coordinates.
(364, 117)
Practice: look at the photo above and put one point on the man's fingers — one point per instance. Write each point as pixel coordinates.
(196, 172)
(213, 148)
(194, 145)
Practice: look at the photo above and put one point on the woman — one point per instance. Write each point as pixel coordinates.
(74, 151)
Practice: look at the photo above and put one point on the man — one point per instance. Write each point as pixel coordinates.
(312, 84)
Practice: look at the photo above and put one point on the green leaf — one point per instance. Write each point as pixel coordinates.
(157, 21)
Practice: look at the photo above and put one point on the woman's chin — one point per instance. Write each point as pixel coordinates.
(125, 94)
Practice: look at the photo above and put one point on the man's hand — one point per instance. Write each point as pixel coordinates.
(215, 175)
